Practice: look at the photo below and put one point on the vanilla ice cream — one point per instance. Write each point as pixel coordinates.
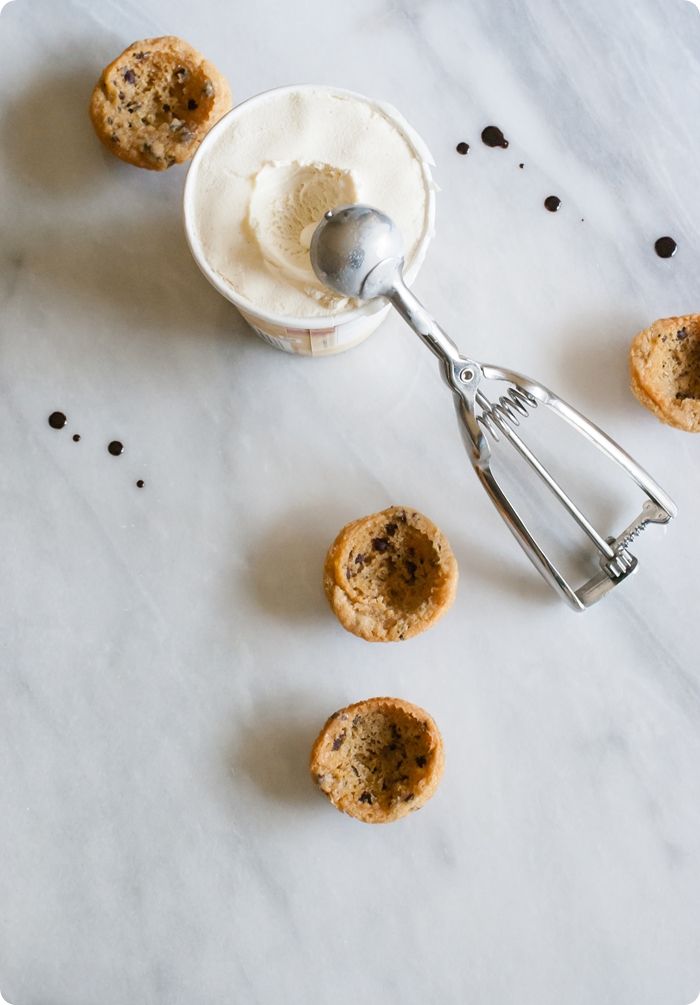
(271, 170)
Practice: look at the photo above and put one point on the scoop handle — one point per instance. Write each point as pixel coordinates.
(416, 316)
(462, 375)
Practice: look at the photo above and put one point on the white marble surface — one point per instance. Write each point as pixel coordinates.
(167, 655)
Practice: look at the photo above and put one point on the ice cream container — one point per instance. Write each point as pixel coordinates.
(323, 333)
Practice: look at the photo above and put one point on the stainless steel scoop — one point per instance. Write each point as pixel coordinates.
(357, 251)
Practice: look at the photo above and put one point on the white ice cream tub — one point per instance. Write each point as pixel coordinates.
(321, 335)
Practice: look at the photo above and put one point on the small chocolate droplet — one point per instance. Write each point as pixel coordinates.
(665, 247)
(462, 148)
(552, 203)
(76, 437)
(57, 420)
(115, 448)
(521, 165)
(493, 137)
(140, 483)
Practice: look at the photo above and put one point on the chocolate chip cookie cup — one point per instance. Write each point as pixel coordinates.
(390, 576)
(261, 181)
(664, 362)
(378, 760)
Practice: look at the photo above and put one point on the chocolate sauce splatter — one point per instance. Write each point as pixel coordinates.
(57, 420)
(462, 148)
(493, 137)
(76, 437)
(665, 247)
(552, 203)
(115, 448)
(140, 483)
(521, 165)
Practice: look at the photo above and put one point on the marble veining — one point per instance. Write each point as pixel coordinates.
(167, 654)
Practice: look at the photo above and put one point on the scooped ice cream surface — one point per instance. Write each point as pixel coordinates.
(286, 204)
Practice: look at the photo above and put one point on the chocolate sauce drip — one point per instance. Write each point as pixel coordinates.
(493, 137)
(665, 247)
(462, 148)
(521, 165)
(57, 420)
(140, 483)
(115, 448)
(552, 203)
(76, 437)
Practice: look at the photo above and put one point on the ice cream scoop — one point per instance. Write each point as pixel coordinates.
(357, 251)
